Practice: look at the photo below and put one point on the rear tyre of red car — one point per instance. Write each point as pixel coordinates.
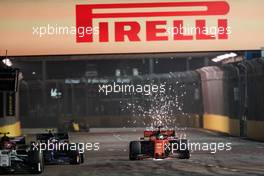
(134, 150)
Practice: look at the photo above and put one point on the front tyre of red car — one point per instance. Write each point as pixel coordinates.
(185, 154)
(134, 150)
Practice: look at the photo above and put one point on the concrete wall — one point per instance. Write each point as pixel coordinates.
(221, 124)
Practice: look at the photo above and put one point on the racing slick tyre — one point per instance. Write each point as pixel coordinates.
(36, 161)
(134, 150)
(75, 157)
(81, 158)
(184, 154)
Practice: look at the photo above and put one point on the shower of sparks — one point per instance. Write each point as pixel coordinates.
(159, 109)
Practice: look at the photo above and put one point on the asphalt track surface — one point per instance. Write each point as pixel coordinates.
(245, 158)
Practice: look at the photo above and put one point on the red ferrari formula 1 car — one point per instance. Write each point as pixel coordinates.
(159, 144)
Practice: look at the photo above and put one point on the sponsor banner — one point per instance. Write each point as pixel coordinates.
(53, 27)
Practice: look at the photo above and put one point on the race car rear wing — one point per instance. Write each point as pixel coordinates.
(19, 140)
(168, 133)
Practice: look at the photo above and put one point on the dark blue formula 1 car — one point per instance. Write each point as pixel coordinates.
(57, 149)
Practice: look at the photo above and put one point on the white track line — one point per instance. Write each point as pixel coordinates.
(118, 137)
